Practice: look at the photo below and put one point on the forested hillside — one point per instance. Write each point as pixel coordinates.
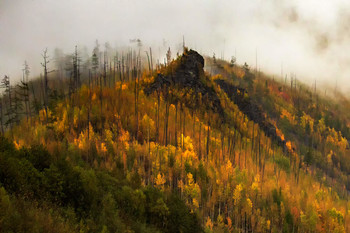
(114, 143)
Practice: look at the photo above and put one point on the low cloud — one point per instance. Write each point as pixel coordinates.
(309, 38)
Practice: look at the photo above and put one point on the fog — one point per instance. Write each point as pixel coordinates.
(307, 37)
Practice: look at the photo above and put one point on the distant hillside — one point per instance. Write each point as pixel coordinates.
(123, 148)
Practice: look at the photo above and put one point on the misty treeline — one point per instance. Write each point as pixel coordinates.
(64, 73)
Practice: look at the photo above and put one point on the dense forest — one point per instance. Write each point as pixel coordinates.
(107, 141)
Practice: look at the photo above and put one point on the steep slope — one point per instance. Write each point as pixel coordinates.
(176, 150)
(251, 109)
(303, 122)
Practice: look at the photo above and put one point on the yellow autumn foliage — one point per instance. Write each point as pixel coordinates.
(42, 114)
(307, 119)
(160, 180)
(237, 194)
(209, 224)
(288, 115)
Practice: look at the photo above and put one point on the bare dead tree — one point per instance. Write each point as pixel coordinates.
(150, 53)
(149, 63)
(24, 89)
(46, 89)
(168, 56)
(5, 83)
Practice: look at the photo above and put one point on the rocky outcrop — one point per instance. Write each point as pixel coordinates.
(188, 76)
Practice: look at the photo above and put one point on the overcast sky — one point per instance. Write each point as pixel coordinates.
(309, 37)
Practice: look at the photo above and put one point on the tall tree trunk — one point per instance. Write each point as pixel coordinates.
(101, 104)
(199, 141)
(183, 130)
(150, 52)
(176, 124)
(208, 138)
(136, 111)
(158, 109)
(166, 122)
(1, 122)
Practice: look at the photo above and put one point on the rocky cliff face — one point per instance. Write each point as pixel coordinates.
(190, 69)
(187, 75)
